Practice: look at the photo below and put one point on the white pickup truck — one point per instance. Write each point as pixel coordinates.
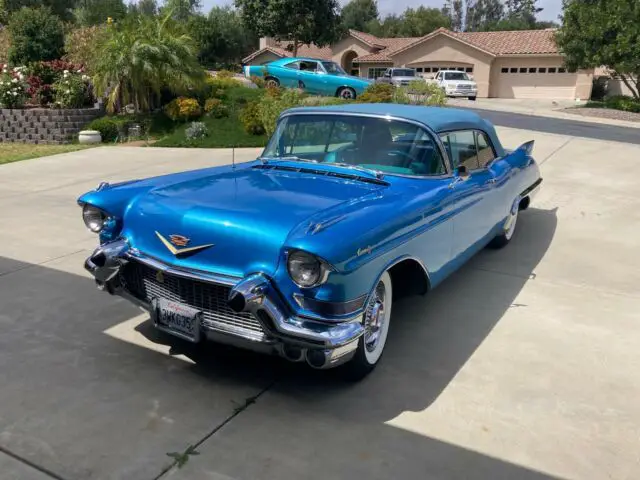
(455, 83)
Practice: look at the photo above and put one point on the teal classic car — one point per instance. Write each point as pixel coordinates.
(316, 76)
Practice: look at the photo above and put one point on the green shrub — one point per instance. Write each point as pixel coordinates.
(251, 119)
(419, 92)
(215, 108)
(70, 90)
(107, 126)
(271, 107)
(224, 74)
(36, 34)
(183, 109)
(238, 96)
(624, 103)
(196, 130)
(377, 93)
(258, 81)
(322, 101)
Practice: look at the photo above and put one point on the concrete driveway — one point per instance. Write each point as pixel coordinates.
(523, 365)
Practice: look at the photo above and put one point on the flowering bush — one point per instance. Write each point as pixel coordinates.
(70, 89)
(182, 109)
(13, 87)
(215, 108)
(196, 130)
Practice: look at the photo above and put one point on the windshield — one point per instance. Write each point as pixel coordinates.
(404, 72)
(389, 146)
(456, 76)
(331, 67)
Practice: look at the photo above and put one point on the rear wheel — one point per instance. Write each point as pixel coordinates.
(508, 230)
(473, 99)
(347, 93)
(376, 323)
(272, 82)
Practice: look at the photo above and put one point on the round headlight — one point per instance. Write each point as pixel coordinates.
(305, 269)
(93, 217)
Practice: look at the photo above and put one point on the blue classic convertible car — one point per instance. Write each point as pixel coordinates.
(302, 251)
(319, 77)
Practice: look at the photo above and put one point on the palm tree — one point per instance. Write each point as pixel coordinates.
(142, 56)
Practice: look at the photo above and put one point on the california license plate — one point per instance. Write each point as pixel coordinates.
(177, 319)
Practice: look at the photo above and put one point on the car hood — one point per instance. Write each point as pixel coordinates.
(246, 215)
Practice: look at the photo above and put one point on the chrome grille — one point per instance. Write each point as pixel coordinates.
(463, 86)
(211, 299)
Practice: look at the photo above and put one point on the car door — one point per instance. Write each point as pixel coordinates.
(312, 77)
(289, 74)
(472, 187)
(502, 198)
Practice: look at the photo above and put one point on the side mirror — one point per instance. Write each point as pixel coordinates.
(462, 172)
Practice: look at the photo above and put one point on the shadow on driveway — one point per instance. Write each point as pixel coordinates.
(88, 406)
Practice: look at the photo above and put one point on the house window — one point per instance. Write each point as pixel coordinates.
(419, 69)
(460, 69)
(542, 70)
(562, 70)
(532, 70)
(513, 70)
(469, 69)
(504, 70)
(376, 72)
(427, 69)
(436, 69)
(523, 70)
(552, 69)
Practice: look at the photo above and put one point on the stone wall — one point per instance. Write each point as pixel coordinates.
(44, 125)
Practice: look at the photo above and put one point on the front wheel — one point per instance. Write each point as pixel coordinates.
(508, 230)
(272, 82)
(347, 93)
(376, 321)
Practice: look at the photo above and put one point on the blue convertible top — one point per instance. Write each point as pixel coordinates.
(438, 119)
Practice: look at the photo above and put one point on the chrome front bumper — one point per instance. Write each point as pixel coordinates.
(323, 344)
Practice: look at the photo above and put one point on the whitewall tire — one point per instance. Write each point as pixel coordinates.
(376, 322)
(508, 229)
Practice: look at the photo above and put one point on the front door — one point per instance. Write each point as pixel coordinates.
(312, 77)
(472, 193)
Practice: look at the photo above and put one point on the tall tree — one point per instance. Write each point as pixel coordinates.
(358, 13)
(522, 12)
(421, 21)
(603, 32)
(181, 10)
(144, 7)
(455, 11)
(96, 12)
(36, 34)
(60, 8)
(222, 38)
(301, 21)
(482, 14)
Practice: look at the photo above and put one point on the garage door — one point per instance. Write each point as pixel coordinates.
(544, 82)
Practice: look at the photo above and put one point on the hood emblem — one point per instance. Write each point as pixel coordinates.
(159, 276)
(180, 241)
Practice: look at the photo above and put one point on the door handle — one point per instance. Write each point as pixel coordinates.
(458, 180)
(491, 181)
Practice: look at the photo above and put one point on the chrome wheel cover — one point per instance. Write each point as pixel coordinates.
(510, 225)
(347, 94)
(376, 320)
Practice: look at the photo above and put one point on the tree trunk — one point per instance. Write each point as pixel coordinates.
(295, 47)
(632, 85)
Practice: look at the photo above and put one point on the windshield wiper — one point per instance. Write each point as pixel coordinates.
(290, 158)
(377, 173)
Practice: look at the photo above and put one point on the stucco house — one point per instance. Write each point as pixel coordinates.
(515, 64)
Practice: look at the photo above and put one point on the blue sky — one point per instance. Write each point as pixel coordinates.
(551, 7)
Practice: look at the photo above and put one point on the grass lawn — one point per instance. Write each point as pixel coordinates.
(223, 133)
(14, 152)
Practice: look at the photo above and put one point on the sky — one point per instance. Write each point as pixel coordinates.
(551, 7)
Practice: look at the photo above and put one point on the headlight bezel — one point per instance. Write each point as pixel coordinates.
(102, 217)
(324, 268)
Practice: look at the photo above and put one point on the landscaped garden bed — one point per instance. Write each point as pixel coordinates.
(617, 107)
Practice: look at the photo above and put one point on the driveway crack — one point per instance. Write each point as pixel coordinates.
(556, 150)
(181, 458)
(31, 464)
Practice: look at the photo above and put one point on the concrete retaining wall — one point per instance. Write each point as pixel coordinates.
(43, 125)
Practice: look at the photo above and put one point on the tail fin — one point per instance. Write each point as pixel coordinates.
(527, 147)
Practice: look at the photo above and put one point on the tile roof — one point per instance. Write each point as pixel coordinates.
(522, 42)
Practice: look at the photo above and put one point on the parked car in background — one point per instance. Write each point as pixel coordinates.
(318, 77)
(456, 83)
(398, 76)
(303, 251)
